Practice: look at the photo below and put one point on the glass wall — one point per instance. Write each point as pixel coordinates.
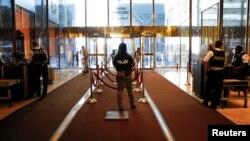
(196, 24)
(79, 42)
(56, 59)
(25, 28)
(119, 12)
(6, 31)
(97, 13)
(172, 45)
(24, 32)
(148, 50)
(55, 55)
(210, 24)
(164, 24)
(184, 33)
(234, 25)
(96, 47)
(184, 44)
(142, 13)
(112, 46)
(160, 10)
(41, 23)
(76, 13)
(72, 14)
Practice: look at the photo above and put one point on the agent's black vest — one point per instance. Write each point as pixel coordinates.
(218, 59)
(39, 56)
(237, 60)
(123, 62)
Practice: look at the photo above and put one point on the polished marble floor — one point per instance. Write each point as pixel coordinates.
(234, 111)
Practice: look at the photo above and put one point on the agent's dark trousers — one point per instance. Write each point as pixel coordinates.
(214, 82)
(41, 70)
(124, 81)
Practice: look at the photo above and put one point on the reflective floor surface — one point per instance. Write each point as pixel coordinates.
(234, 111)
(61, 76)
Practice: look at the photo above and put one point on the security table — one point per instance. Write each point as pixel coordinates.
(7, 84)
(236, 83)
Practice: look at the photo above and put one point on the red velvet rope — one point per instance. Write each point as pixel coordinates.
(97, 75)
(136, 73)
(106, 68)
(134, 68)
(98, 78)
(101, 72)
(135, 78)
(92, 79)
(115, 74)
(109, 77)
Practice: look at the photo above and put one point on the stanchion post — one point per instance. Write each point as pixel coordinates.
(98, 89)
(187, 84)
(91, 99)
(143, 99)
(137, 86)
(101, 74)
(134, 82)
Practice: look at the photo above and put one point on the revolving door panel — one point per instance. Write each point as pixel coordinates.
(147, 46)
(96, 48)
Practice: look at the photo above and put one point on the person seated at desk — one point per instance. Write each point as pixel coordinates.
(240, 63)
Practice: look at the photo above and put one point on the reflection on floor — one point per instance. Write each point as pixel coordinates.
(234, 111)
(61, 76)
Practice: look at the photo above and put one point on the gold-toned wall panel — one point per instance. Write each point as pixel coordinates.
(121, 31)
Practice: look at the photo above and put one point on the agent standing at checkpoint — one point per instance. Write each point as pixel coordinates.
(123, 63)
(40, 67)
(214, 67)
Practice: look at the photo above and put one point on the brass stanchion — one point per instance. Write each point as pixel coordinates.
(143, 99)
(137, 88)
(101, 73)
(187, 84)
(98, 89)
(134, 82)
(91, 99)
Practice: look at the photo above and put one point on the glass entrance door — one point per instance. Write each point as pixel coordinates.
(96, 48)
(100, 50)
(57, 54)
(113, 44)
(147, 46)
(112, 47)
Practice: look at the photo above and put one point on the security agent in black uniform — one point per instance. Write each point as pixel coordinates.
(123, 63)
(213, 67)
(40, 68)
(240, 63)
